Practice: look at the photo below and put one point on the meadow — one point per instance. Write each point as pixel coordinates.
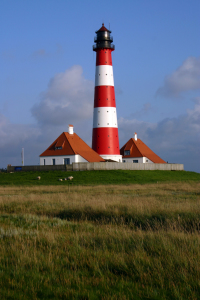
(111, 235)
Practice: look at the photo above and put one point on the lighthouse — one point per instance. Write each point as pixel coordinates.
(105, 139)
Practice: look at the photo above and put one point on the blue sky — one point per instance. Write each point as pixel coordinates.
(47, 69)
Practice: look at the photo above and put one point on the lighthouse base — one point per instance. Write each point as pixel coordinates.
(117, 158)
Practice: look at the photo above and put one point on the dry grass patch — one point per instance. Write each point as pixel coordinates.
(100, 242)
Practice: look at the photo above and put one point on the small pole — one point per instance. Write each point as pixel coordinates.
(22, 156)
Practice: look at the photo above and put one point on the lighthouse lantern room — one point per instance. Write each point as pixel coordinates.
(105, 139)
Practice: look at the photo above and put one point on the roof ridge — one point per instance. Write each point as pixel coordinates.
(69, 142)
(137, 146)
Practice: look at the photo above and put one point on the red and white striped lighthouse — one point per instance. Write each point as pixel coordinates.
(105, 139)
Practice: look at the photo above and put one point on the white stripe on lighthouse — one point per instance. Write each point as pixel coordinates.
(104, 75)
(105, 117)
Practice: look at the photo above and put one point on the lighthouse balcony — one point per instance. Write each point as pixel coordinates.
(103, 45)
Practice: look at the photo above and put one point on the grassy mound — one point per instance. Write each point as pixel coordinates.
(96, 177)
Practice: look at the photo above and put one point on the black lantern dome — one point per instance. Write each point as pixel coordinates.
(103, 39)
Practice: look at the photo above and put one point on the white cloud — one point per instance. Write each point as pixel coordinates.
(127, 127)
(15, 136)
(175, 140)
(68, 99)
(185, 78)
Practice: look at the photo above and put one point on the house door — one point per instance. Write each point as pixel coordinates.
(66, 161)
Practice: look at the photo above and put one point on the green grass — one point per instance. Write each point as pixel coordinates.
(96, 177)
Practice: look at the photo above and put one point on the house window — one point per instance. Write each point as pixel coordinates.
(53, 161)
(146, 160)
(58, 148)
(127, 152)
(66, 161)
(44, 161)
(135, 161)
(124, 161)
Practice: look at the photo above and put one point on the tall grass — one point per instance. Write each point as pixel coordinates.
(100, 242)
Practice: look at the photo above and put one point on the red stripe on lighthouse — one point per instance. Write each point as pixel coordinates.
(106, 140)
(103, 57)
(104, 96)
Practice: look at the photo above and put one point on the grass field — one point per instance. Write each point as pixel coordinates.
(91, 240)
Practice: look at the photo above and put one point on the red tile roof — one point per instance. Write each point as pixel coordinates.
(103, 28)
(139, 149)
(72, 144)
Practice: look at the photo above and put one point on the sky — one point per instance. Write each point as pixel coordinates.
(47, 70)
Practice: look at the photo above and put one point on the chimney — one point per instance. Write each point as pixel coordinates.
(135, 136)
(71, 129)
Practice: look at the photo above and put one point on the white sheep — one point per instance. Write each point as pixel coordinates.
(60, 179)
(70, 178)
(38, 178)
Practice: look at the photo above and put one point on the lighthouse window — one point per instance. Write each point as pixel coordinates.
(107, 123)
(127, 152)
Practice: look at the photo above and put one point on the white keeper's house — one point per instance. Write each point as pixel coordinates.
(135, 151)
(68, 148)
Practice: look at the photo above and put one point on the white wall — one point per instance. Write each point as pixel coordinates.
(117, 158)
(125, 166)
(141, 160)
(81, 159)
(60, 159)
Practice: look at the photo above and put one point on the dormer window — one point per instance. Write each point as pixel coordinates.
(126, 152)
(60, 144)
